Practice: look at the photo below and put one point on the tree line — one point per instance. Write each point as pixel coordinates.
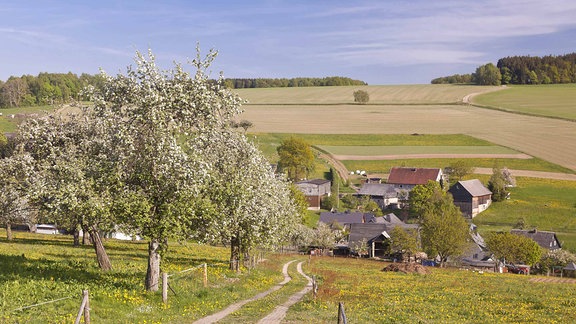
(235, 83)
(520, 70)
(45, 89)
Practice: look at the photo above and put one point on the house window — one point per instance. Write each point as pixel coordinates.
(476, 256)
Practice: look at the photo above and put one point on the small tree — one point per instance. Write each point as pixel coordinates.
(361, 96)
(497, 184)
(444, 232)
(513, 248)
(403, 241)
(458, 170)
(296, 158)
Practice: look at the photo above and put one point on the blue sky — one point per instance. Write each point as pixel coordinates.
(380, 42)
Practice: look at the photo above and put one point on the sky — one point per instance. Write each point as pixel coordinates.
(379, 42)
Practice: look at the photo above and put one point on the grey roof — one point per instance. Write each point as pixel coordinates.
(570, 266)
(378, 189)
(547, 240)
(344, 217)
(474, 187)
(314, 181)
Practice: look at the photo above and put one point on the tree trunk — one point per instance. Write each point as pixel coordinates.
(9, 236)
(76, 236)
(101, 255)
(153, 271)
(235, 254)
(85, 237)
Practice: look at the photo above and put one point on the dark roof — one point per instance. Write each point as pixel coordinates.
(474, 187)
(371, 231)
(413, 176)
(570, 266)
(386, 219)
(378, 189)
(344, 217)
(547, 240)
(314, 181)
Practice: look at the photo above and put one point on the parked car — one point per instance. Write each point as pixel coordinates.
(519, 268)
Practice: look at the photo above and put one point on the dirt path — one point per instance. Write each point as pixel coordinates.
(554, 280)
(234, 307)
(280, 312)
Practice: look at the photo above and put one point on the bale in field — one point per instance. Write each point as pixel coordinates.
(406, 268)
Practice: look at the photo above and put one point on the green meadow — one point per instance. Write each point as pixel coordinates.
(555, 100)
(40, 268)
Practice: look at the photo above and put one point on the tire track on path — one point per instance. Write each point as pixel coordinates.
(236, 306)
(280, 312)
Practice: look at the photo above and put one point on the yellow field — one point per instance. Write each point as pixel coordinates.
(393, 94)
(548, 139)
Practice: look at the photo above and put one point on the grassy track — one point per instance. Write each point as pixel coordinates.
(401, 150)
(558, 100)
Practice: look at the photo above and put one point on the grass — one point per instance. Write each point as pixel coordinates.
(406, 149)
(443, 296)
(37, 268)
(8, 124)
(383, 166)
(548, 205)
(542, 100)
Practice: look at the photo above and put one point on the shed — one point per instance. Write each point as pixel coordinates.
(471, 196)
(314, 190)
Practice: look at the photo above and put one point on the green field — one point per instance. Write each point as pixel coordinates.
(409, 150)
(8, 124)
(557, 100)
(548, 205)
(40, 268)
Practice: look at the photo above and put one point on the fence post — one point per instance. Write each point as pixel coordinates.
(341, 314)
(84, 308)
(314, 286)
(164, 287)
(205, 278)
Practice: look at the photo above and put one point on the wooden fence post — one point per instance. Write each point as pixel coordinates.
(164, 287)
(205, 278)
(341, 314)
(84, 309)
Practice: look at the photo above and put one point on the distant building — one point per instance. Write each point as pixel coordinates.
(314, 190)
(384, 194)
(471, 197)
(546, 240)
(408, 178)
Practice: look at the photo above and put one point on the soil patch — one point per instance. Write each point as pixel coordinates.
(407, 268)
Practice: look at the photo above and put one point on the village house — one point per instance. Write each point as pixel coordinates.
(546, 240)
(374, 236)
(384, 194)
(408, 178)
(471, 197)
(314, 190)
(344, 218)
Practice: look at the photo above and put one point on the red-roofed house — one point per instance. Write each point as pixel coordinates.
(408, 178)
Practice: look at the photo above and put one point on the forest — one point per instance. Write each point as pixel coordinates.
(45, 89)
(293, 82)
(59, 88)
(525, 70)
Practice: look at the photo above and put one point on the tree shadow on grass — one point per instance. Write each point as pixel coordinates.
(15, 267)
